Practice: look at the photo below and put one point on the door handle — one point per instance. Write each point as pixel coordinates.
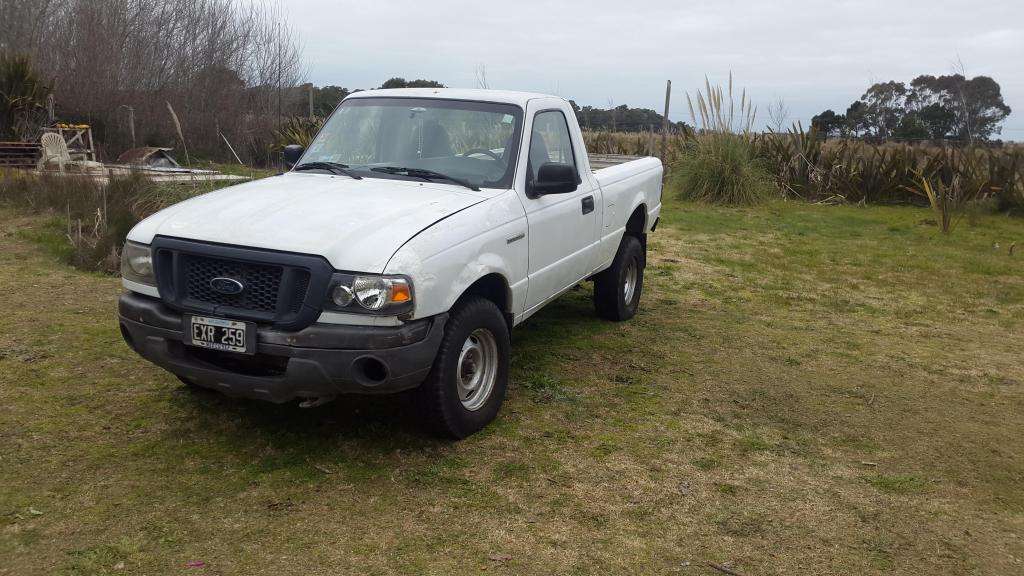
(588, 204)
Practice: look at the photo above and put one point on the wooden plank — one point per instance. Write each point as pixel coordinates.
(19, 154)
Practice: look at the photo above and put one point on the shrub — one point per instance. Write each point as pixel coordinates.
(803, 165)
(811, 168)
(1006, 172)
(22, 94)
(721, 168)
(948, 201)
(296, 130)
(91, 219)
(719, 163)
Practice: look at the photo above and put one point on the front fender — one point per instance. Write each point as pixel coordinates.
(445, 259)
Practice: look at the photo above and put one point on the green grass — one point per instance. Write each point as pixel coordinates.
(898, 484)
(235, 169)
(806, 386)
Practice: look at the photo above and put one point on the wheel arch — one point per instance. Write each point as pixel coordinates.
(492, 286)
(636, 224)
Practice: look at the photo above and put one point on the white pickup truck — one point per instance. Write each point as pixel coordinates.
(397, 253)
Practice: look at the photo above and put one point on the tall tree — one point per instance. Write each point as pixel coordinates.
(828, 123)
(857, 118)
(911, 128)
(932, 107)
(886, 106)
(326, 99)
(976, 105)
(224, 66)
(937, 120)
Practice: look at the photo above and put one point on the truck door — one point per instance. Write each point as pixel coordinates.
(563, 227)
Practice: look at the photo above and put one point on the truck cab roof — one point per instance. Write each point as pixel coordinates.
(476, 95)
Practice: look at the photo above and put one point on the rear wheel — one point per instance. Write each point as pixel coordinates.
(466, 386)
(617, 290)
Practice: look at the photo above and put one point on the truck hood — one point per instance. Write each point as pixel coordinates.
(356, 224)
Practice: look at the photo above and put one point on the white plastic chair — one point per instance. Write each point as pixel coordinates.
(56, 149)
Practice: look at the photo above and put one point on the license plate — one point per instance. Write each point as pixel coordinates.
(221, 334)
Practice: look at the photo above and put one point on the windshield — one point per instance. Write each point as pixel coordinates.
(472, 141)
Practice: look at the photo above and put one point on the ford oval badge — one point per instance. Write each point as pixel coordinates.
(227, 286)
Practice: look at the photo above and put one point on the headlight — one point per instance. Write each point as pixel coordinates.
(370, 294)
(137, 264)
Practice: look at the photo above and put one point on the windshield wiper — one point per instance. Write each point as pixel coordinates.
(332, 167)
(425, 175)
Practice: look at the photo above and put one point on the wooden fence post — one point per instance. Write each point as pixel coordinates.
(664, 121)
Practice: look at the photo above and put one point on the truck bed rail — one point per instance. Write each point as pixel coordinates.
(598, 161)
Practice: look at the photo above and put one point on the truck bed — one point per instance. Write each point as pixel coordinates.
(626, 182)
(598, 161)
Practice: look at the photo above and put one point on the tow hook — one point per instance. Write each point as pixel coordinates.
(314, 402)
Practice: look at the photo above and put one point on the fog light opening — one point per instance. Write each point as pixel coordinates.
(370, 370)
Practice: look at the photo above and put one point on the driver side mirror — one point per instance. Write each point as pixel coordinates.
(555, 178)
(292, 153)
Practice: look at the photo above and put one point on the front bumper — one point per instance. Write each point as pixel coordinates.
(319, 361)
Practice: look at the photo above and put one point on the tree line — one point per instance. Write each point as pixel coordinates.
(223, 66)
(195, 73)
(949, 107)
(620, 118)
(326, 98)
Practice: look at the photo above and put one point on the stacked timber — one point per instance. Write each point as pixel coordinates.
(19, 154)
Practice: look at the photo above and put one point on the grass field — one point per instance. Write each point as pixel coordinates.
(807, 390)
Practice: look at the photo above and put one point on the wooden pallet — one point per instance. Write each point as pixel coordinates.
(19, 154)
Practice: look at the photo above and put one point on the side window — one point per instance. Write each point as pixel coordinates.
(550, 141)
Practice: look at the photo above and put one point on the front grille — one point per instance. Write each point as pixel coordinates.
(299, 290)
(262, 283)
(280, 288)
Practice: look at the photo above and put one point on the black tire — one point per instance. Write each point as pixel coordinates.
(439, 397)
(610, 285)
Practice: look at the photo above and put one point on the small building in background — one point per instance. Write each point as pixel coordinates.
(149, 157)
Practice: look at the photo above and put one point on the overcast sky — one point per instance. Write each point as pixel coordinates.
(814, 54)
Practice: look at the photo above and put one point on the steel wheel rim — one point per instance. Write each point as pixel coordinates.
(477, 370)
(629, 283)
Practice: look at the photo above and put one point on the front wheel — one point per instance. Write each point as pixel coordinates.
(466, 386)
(617, 289)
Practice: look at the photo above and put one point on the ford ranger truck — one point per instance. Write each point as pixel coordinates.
(396, 254)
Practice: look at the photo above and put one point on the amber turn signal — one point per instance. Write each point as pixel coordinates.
(400, 293)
